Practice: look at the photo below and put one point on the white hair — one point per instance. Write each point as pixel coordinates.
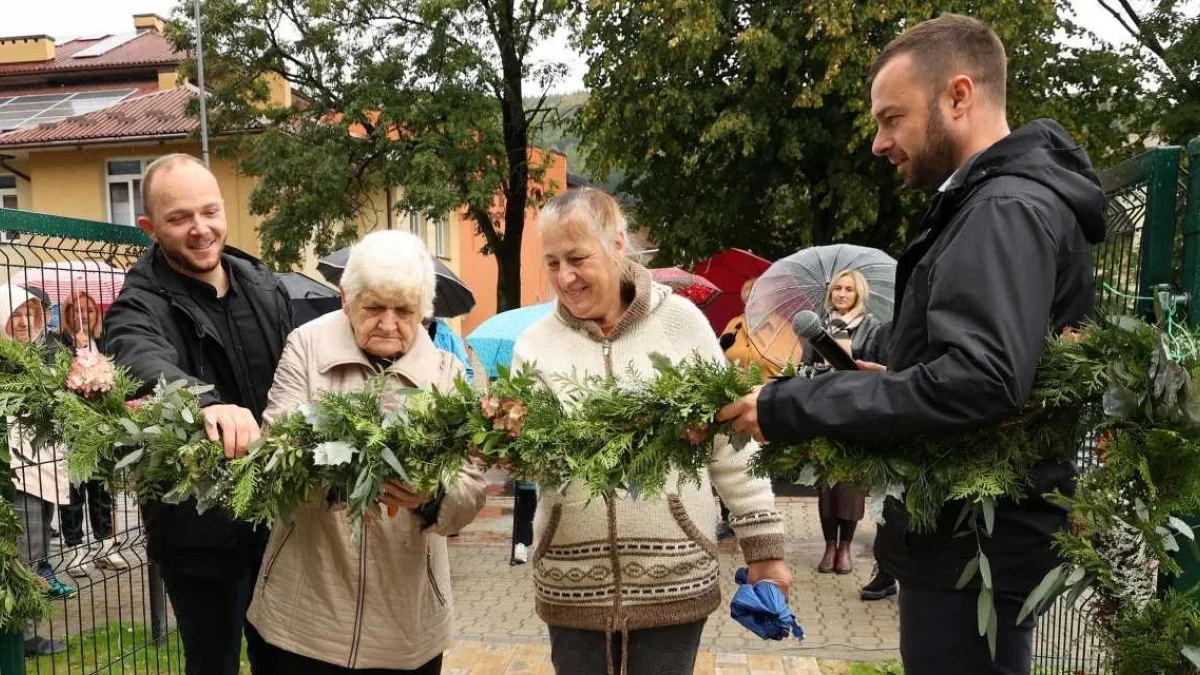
(587, 209)
(391, 262)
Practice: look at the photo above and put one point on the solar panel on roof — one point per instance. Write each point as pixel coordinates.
(106, 45)
(22, 112)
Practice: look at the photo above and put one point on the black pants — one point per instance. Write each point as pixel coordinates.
(287, 663)
(838, 530)
(211, 614)
(99, 508)
(939, 634)
(524, 508)
(658, 651)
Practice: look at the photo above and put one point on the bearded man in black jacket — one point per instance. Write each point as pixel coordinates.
(1002, 261)
(195, 309)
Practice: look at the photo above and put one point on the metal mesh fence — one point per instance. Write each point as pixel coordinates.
(59, 276)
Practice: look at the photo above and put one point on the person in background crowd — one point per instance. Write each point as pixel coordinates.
(626, 583)
(1003, 260)
(738, 346)
(324, 603)
(81, 327)
(842, 506)
(195, 309)
(446, 339)
(41, 482)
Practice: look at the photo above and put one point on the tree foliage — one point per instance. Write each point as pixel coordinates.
(1166, 39)
(747, 123)
(422, 101)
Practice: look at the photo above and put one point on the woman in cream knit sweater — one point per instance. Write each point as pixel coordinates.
(626, 583)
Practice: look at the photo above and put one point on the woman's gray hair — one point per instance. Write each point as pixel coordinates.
(391, 262)
(589, 208)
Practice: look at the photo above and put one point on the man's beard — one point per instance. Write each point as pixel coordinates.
(936, 161)
(180, 261)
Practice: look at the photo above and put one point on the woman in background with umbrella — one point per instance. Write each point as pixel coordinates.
(847, 320)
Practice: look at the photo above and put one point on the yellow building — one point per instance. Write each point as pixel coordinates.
(81, 118)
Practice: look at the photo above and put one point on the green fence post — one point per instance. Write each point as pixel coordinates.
(1190, 283)
(1190, 274)
(1158, 232)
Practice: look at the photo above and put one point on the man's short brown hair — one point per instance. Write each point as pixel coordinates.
(161, 164)
(949, 45)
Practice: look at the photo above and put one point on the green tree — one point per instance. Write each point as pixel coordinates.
(1166, 37)
(747, 123)
(422, 101)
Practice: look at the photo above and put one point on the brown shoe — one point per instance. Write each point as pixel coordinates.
(827, 560)
(843, 565)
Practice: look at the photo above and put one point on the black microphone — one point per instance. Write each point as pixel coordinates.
(807, 326)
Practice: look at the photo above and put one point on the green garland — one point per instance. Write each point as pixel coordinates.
(1123, 378)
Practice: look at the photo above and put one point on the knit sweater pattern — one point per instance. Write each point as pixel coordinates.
(624, 562)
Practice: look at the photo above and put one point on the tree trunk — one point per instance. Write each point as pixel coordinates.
(516, 144)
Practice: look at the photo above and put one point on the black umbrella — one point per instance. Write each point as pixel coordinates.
(453, 297)
(310, 298)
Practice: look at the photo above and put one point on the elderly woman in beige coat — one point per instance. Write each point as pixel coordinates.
(324, 603)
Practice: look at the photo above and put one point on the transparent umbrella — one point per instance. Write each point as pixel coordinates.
(801, 281)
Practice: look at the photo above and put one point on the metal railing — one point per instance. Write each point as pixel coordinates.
(110, 610)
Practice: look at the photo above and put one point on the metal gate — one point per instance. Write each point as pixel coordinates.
(110, 613)
(1138, 257)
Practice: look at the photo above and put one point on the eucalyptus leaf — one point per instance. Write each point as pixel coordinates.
(1192, 654)
(989, 514)
(1040, 592)
(984, 608)
(1181, 527)
(130, 459)
(968, 573)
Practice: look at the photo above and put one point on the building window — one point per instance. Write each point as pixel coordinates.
(416, 225)
(125, 190)
(441, 238)
(8, 200)
(8, 192)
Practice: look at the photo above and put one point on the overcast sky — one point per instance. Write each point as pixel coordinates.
(67, 18)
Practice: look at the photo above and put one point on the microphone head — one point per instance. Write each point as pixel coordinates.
(806, 324)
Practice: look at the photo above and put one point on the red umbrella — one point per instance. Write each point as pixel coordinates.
(729, 270)
(696, 288)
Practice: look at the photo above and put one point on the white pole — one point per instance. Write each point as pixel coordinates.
(203, 102)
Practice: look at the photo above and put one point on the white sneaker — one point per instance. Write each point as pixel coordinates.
(520, 554)
(110, 557)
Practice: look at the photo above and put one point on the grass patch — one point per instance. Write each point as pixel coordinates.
(118, 648)
(879, 668)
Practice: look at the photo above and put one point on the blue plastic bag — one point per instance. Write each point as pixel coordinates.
(763, 609)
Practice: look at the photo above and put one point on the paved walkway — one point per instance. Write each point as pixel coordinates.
(494, 602)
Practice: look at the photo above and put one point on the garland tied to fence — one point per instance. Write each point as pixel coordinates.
(1124, 379)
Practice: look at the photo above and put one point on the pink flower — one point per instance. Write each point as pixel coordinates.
(91, 373)
(136, 404)
(490, 406)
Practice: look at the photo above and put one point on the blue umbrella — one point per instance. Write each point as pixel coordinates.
(493, 339)
(763, 609)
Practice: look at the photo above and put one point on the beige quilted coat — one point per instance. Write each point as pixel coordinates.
(385, 602)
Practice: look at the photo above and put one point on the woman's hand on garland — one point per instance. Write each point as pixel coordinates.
(399, 495)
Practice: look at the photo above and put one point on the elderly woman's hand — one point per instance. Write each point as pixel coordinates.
(398, 495)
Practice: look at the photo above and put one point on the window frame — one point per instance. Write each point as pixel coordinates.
(128, 179)
(5, 235)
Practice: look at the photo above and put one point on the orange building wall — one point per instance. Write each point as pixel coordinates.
(479, 271)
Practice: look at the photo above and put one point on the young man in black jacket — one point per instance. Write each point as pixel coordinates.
(196, 310)
(1003, 260)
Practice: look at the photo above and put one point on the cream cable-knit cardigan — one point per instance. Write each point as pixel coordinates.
(630, 563)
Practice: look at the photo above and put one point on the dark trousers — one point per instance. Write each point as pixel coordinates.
(211, 615)
(939, 634)
(99, 509)
(838, 529)
(287, 663)
(524, 508)
(658, 651)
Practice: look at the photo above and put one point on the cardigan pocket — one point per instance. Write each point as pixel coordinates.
(685, 522)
